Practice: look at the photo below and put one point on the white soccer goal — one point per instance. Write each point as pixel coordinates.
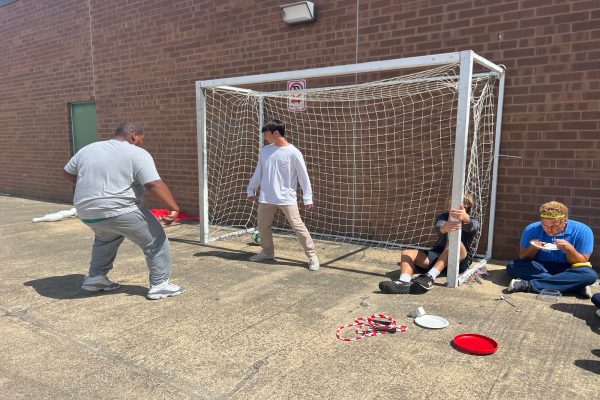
(383, 154)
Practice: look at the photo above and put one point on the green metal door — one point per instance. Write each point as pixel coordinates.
(83, 125)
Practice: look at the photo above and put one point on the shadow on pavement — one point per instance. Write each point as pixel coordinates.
(586, 312)
(226, 254)
(244, 256)
(237, 255)
(589, 365)
(498, 277)
(69, 287)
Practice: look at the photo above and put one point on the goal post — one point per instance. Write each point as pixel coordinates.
(383, 155)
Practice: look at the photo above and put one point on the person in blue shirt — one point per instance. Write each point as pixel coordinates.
(554, 254)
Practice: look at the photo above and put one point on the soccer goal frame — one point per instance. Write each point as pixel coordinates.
(466, 61)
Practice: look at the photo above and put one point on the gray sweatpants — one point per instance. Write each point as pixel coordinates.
(142, 228)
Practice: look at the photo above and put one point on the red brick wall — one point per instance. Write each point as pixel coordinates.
(44, 64)
(148, 53)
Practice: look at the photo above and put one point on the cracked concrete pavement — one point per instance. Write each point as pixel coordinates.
(249, 330)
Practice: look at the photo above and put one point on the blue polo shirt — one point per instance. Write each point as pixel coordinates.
(577, 233)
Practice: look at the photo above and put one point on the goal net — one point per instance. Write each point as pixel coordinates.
(380, 154)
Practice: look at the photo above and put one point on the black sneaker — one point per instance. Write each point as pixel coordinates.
(391, 287)
(423, 283)
(519, 285)
(596, 299)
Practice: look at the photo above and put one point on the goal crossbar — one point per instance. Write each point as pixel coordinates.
(386, 83)
(373, 66)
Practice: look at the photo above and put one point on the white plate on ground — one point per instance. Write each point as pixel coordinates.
(431, 322)
(546, 246)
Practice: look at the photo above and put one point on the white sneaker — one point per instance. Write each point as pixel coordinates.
(261, 257)
(313, 263)
(165, 289)
(585, 292)
(99, 283)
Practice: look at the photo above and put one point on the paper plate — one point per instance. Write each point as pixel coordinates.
(546, 246)
(431, 322)
(476, 344)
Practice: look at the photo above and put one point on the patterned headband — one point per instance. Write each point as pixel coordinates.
(559, 216)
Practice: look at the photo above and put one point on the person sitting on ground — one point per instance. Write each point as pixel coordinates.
(554, 254)
(437, 258)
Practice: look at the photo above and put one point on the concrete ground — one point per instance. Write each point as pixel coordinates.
(249, 330)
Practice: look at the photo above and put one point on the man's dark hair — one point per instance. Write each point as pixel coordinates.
(128, 128)
(274, 125)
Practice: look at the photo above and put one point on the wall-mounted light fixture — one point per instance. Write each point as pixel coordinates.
(295, 13)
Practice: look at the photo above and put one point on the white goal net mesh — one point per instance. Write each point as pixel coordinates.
(379, 154)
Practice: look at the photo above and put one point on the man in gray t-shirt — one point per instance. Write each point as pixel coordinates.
(110, 178)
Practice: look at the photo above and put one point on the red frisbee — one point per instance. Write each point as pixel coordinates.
(475, 344)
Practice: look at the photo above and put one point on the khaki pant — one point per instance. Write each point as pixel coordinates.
(266, 214)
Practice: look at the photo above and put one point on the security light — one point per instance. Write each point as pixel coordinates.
(302, 11)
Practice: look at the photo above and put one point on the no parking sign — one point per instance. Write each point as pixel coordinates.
(296, 100)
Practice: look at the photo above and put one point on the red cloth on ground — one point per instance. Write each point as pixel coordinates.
(183, 216)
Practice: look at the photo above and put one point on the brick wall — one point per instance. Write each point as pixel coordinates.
(45, 63)
(148, 53)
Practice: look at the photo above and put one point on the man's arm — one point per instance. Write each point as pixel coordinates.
(443, 226)
(527, 253)
(468, 224)
(70, 177)
(571, 254)
(530, 234)
(161, 191)
(254, 182)
(304, 180)
(581, 247)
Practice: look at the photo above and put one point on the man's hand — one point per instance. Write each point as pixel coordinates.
(168, 220)
(253, 198)
(562, 244)
(529, 252)
(537, 242)
(308, 207)
(450, 226)
(460, 215)
(161, 191)
(571, 253)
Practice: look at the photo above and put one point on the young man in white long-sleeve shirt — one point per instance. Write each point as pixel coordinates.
(280, 167)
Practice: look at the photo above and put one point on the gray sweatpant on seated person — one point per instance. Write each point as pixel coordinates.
(142, 228)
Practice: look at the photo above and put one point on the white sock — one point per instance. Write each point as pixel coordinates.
(405, 278)
(433, 272)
